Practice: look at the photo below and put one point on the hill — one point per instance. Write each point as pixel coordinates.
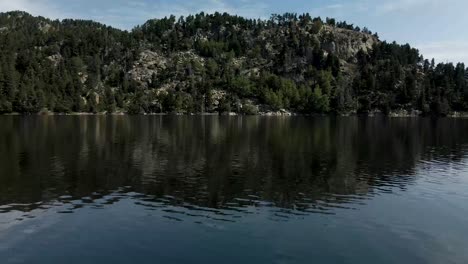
(218, 63)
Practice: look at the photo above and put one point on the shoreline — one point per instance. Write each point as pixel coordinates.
(398, 114)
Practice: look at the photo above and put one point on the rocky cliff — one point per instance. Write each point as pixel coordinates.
(217, 63)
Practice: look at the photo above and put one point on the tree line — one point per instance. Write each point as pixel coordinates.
(216, 63)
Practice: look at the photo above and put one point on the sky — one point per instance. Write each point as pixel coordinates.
(438, 28)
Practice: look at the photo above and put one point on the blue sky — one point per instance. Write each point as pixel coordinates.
(438, 28)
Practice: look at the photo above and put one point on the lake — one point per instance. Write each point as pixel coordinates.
(209, 189)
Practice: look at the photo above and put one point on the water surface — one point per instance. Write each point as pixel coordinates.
(162, 189)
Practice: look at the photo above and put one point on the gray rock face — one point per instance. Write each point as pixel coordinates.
(405, 113)
(149, 63)
(217, 96)
(44, 27)
(329, 47)
(346, 43)
(153, 63)
(186, 66)
(55, 59)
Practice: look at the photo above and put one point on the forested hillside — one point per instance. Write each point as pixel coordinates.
(217, 63)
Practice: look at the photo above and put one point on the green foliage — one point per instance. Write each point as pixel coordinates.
(320, 101)
(5, 106)
(249, 109)
(316, 26)
(331, 21)
(280, 63)
(210, 48)
(242, 86)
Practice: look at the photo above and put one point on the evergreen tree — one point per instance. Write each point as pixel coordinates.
(216, 62)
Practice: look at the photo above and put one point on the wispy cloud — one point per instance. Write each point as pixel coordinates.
(246, 8)
(334, 6)
(413, 21)
(445, 51)
(341, 9)
(403, 5)
(129, 14)
(42, 8)
(126, 14)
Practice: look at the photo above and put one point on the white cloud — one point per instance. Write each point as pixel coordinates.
(128, 14)
(341, 10)
(447, 51)
(403, 5)
(244, 7)
(335, 6)
(385, 16)
(34, 7)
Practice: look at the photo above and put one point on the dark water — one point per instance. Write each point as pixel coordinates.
(233, 190)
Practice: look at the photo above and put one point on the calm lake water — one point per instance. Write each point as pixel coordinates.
(162, 189)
